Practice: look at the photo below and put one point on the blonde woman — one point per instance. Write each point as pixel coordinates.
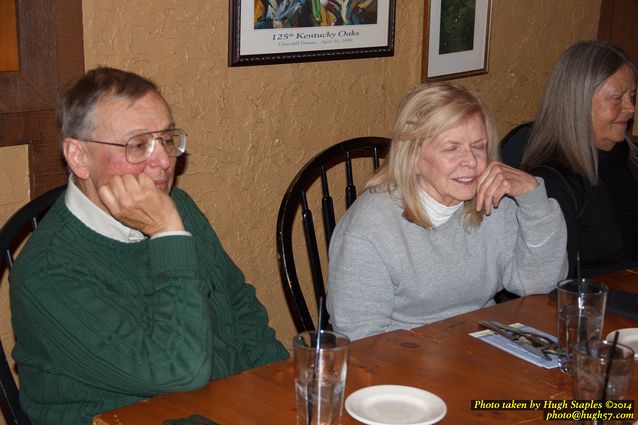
(443, 226)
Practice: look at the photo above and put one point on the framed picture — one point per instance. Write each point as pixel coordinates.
(9, 56)
(456, 37)
(279, 31)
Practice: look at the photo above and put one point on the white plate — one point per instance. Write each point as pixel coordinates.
(628, 337)
(395, 405)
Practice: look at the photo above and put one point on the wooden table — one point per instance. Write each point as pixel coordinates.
(440, 357)
(623, 280)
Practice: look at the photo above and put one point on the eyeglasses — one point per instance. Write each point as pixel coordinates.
(140, 147)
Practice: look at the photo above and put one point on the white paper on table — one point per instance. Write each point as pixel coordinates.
(511, 347)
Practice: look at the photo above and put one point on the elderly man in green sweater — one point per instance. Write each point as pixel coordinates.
(124, 290)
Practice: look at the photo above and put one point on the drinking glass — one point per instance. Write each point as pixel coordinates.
(320, 376)
(591, 361)
(592, 370)
(581, 312)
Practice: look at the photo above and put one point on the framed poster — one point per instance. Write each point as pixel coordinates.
(456, 39)
(280, 31)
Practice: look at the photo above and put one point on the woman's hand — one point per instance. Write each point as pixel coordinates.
(499, 180)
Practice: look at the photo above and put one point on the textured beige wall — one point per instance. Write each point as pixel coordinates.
(14, 192)
(527, 38)
(251, 128)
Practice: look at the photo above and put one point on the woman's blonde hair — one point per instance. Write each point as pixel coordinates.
(563, 133)
(427, 111)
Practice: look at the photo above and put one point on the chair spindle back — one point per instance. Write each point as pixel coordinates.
(14, 231)
(295, 198)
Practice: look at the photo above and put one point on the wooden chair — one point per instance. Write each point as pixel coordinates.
(14, 231)
(295, 198)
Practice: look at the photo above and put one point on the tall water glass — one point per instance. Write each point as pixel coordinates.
(320, 376)
(581, 312)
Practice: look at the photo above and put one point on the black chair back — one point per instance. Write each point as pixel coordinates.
(295, 198)
(14, 231)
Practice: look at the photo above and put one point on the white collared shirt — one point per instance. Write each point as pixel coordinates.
(437, 212)
(99, 221)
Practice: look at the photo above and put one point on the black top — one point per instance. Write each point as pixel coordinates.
(602, 220)
(514, 143)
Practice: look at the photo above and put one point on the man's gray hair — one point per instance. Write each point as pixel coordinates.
(76, 106)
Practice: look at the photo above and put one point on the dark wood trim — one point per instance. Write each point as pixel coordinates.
(51, 55)
(617, 25)
(605, 19)
(31, 88)
(425, 41)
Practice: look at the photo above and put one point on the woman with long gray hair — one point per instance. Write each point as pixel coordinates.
(581, 146)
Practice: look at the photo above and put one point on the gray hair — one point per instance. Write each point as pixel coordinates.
(427, 111)
(563, 132)
(76, 106)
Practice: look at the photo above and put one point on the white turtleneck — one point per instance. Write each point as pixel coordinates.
(437, 212)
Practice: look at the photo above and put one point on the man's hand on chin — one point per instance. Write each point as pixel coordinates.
(136, 202)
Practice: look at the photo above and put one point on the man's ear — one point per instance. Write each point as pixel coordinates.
(76, 157)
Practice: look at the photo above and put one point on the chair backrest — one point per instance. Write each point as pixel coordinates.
(14, 231)
(295, 198)
(514, 143)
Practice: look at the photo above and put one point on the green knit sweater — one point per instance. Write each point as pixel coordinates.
(100, 324)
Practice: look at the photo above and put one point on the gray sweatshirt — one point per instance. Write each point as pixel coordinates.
(386, 273)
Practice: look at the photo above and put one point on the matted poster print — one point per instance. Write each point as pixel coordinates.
(280, 31)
